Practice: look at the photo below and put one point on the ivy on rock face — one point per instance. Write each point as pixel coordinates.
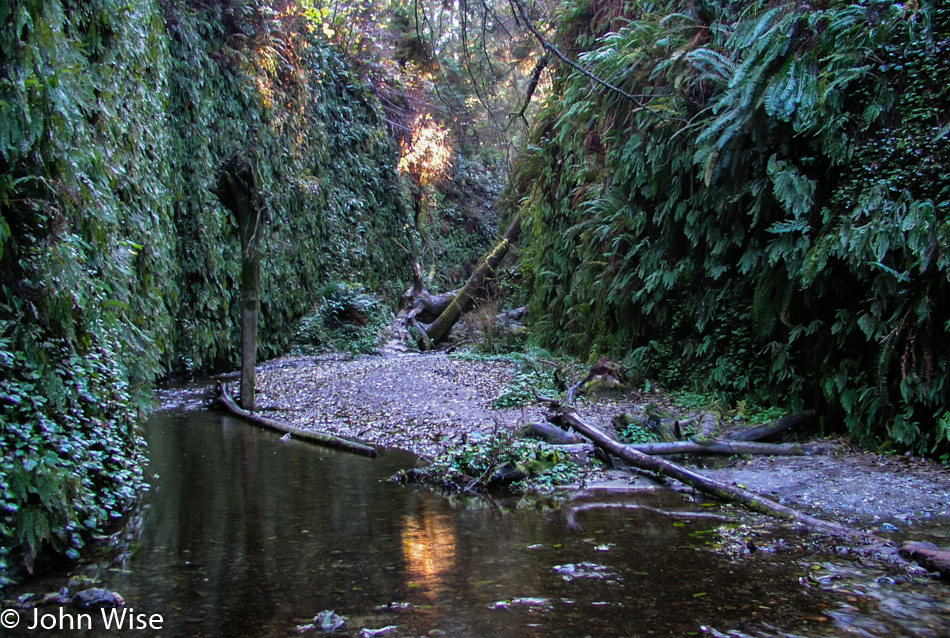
(767, 218)
(117, 263)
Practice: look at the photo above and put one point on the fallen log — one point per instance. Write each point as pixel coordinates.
(770, 430)
(433, 316)
(223, 401)
(698, 445)
(730, 493)
(709, 424)
(550, 433)
(928, 556)
(465, 299)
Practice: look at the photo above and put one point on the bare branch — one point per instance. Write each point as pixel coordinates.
(548, 46)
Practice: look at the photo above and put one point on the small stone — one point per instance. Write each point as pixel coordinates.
(97, 598)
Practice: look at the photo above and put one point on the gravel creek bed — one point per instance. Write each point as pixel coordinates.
(424, 403)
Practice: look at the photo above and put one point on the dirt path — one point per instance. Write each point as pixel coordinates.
(426, 402)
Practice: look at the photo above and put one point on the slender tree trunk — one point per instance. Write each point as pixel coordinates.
(237, 190)
(250, 311)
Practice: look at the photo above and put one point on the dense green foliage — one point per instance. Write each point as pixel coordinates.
(462, 224)
(764, 214)
(345, 319)
(119, 265)
(480, 463)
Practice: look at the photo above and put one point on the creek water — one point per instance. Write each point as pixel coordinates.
(243, 534)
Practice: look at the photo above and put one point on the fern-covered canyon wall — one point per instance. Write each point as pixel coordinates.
(119, 266)
(761, 211)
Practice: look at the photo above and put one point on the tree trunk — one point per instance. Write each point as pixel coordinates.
(462, 302)
(720, 446)
(550, 433)
(237, 190)
(250, 311)
(433, 316)
(730, 493)
(929, 556)
(770, 430)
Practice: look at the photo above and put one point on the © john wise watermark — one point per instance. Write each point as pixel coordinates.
(111, 619)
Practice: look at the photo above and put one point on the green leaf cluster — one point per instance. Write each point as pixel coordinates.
(118, 265)
(764, 217)
(346, 318)
(477, 464)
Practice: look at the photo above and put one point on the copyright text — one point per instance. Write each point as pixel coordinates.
(111, 619)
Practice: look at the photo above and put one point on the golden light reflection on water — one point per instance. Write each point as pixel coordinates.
(428, 546)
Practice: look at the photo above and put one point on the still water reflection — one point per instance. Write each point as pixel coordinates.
(247, 535)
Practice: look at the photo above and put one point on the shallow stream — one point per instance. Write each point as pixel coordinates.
(243, 534)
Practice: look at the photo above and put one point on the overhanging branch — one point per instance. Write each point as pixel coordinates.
(548, 46)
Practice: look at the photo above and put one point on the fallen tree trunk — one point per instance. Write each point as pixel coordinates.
(709, 424)
(730, 493)
(223, 401)
(929, 556)
(433, 316)
(724, 446)
(769, 430)
(550, 433)
(462, 302)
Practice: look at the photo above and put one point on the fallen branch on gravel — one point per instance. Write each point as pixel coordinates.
(929, 556)
(726, 446)
(223, 401)
(731, 493)
(550, 433)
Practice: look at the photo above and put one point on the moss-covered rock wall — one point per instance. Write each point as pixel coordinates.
(757, 209)
(118, 265)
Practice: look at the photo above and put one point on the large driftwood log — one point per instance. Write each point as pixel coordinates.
(223, 401)
(698, 445)
(730, 493)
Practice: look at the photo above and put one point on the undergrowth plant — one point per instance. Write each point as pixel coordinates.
(479, 462)
(346, 319)
(538, 373)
